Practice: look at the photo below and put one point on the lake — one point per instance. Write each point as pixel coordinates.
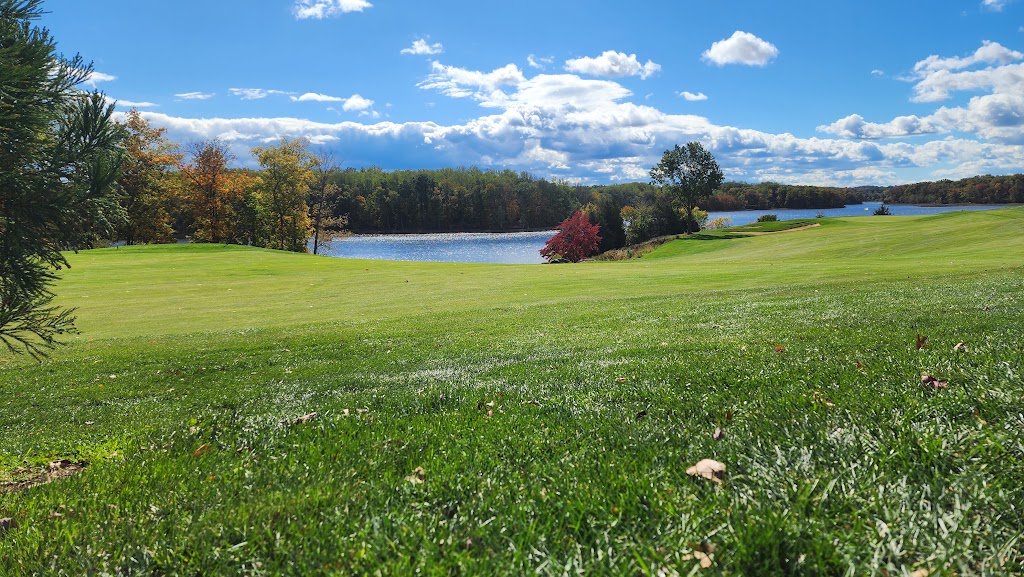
(524, 247)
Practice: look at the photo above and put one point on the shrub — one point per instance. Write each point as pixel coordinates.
(768, 218)
(719, 223)
(882, 211)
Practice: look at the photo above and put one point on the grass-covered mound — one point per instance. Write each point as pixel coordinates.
(496, 419)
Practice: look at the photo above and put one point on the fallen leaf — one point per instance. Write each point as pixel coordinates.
(490, 413)
(704, 558)
(60, 464)
(202, 449)
(344, 412)
(819, 397)
(930, 382)
(921, 342)
(641, 414)
(728, 414)
(417, 477)
(960, 348)
(7, 523)
(305, 418)
(708, 469)
(620, 380)
(532, 402)
(920, 573)
(90, 423)
(491, 404)
(860, 365)
(420, 391)
(719, 434)
(779, 349)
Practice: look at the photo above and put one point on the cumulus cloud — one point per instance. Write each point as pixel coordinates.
(254, 93)
(854, 126)
(592, 130)
(357, 102)
(995, 5)
(691, 97)
(196, 95)
(95, 78)
(539, 62)
(320, 9)
(741, 48)
(997, 115)
(315, 97)
(420, 47)
(613, 64)
(460, 83)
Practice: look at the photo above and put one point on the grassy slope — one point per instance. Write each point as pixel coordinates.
(837, 458)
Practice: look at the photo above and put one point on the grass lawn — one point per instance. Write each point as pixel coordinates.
(507, 420)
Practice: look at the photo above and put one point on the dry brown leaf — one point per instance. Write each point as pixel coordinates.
(620, 380)
(202, 449)
(490, 413)
(417, 477)
(704, 558)
(708, 469)
(921, 342)
(7, 523)
(305, 418)
(719, 434)
(930, 382)
(960, 348)
(728, 415)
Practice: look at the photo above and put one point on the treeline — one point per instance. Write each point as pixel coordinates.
(450, 200)
(985, 189)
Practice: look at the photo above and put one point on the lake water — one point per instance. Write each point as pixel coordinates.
(524, 247)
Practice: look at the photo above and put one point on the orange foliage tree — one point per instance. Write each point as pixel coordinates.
(212, 190)
(147, 183)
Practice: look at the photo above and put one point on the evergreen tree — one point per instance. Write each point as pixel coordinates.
(59, 158)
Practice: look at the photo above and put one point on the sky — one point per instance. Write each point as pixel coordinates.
(819, 92)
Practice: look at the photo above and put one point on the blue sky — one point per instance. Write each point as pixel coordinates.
(805, 92)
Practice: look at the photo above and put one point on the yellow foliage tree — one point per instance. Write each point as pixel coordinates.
(146, 183)
(212, 190)
(279, 194)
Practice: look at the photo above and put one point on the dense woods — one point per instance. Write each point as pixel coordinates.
(985, 189)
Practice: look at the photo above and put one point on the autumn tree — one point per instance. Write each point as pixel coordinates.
(575, 240)
(147, 184)
(279, 194)
(59, 158)
(323, 202)
(212, 190)
(691, 174)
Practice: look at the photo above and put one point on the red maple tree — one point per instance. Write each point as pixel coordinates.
(576, 240)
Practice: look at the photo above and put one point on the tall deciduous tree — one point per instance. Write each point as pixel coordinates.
(691, 174)
(323, 200)
(575, 240)
(59, 157)
(280, 193)
(147, 183)
(212, 190)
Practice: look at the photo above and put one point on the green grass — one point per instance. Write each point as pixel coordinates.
(607, 381)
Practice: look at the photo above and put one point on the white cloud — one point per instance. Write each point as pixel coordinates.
(569, 127)
(995, 5)
(997, 115)
(877, 72)
(95, 78)
(854, 126)
(539, 62)
(357, 102)
(196, 95)
(320, 9)
(314, 97)
(989, 53)
(460, 83)
(254, 93)
(613, 64)
(133, 104)
(691, 97)
(420, 47)
(741, 48)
